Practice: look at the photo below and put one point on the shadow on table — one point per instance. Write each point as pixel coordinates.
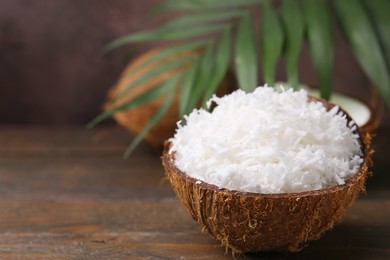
(343, 242)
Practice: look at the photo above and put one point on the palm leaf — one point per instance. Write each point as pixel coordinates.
(187, 84)
(149, 35)
(360, 35)
(222, 58)
(165, 33)
(144, 97)
(174, 5)
(203, 75)
(195, 31)
(188, 20)
(245, 58)
(320, 38)
(170, 52)
(200, 5)
(155, 118)
(229, 3)
(271, 42)
(154, 72)
(294, 26)
(379, 11)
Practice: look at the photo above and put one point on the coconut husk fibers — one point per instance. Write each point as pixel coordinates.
(135, 119)
(250, 222)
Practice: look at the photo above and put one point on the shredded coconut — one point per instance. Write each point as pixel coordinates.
(267, 141)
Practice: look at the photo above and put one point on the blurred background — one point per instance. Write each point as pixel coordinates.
(52, 70)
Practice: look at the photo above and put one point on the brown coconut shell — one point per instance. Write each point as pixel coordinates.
(135, 119)
(375, 104)
(377, 107)
(250, 222)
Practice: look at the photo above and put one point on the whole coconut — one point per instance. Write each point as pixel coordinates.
(135, 119)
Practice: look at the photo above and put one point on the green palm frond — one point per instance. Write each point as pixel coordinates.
(144, 97)
(272, 37)
(357, 28)
(221, 64)
(201, 5)
(169, 51)
(320, 39)
(245, 56)
(294, 28)
(379, 11)
(221, 34)
(187, 85)
(203, 76)
(169, 84)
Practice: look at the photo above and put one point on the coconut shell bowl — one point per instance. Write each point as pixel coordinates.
(253, 222)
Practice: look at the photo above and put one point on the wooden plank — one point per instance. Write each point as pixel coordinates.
(70, 162)
(105, 246)
(87, 229)
(86, 177)
(67, 194)
(161, 230)
(55, 141)
(124, 246)
(90, 216)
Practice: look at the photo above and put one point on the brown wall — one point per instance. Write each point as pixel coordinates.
(51, 68)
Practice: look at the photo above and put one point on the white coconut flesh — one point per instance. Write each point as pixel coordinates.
(267, 141)
(359, 111)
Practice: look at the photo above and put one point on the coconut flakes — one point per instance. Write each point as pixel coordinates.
(267, 142)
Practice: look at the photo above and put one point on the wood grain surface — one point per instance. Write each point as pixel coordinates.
(66, 193)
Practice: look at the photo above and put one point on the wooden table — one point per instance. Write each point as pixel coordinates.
(66, 193)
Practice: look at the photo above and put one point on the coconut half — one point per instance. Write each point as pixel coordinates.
(251, 222)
